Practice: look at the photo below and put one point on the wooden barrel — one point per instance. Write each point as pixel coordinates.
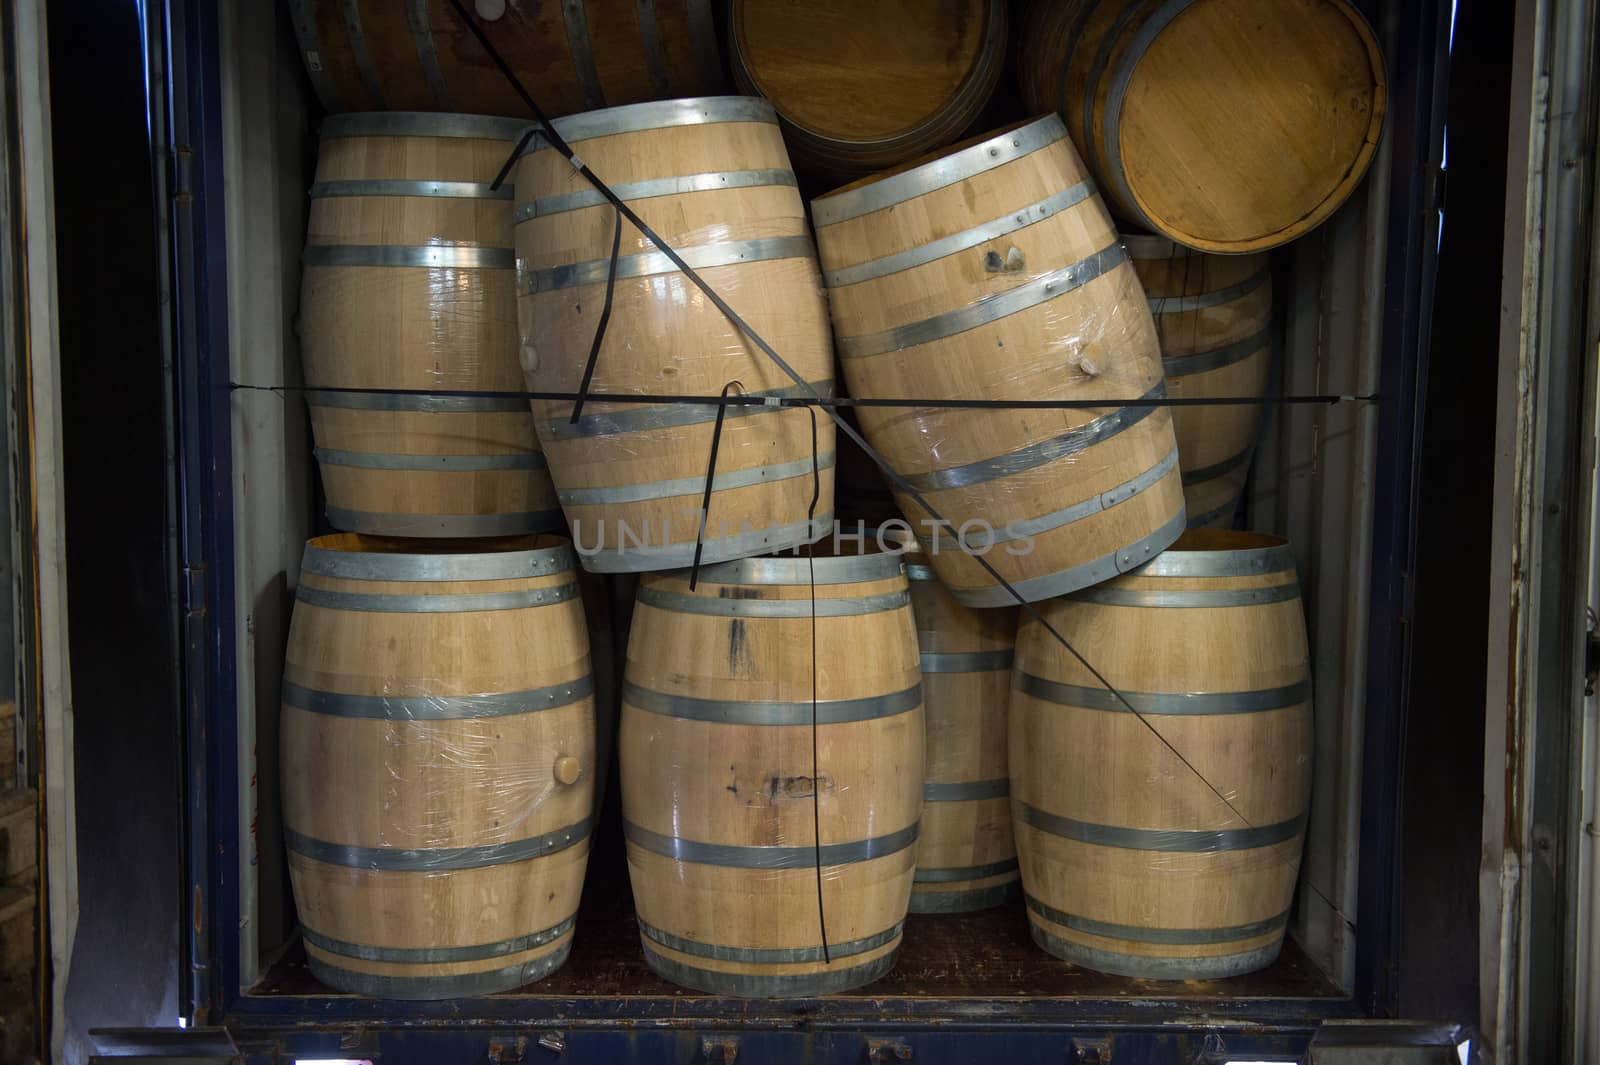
(965, 857)
(438, 762)
(860, 87)
(1213, 314)
(712, 178)
(409, 284)
(1131, 862)
(730, 770)
(994, 273)
(1228, 125)
(577, 55)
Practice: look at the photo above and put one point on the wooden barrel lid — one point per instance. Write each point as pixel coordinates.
(862, 71)
(1252, 159)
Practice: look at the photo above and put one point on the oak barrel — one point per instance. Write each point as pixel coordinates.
(712, 178)
(577, 55)
(966, 859)
(729, 770)
(1227, 125)
(1213, 314)
(860, 87)
(409, 286)
(993, 273)
(1132, 861)
(438, 762)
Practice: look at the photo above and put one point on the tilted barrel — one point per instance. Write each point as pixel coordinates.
(966, 859)
(577, 55)
(741, 741)
(860, 87)
(1227, 125)
(408, 291)
(1213, 314)
(438, 762)
(992, 274)
(1159, 822)
(712, 178)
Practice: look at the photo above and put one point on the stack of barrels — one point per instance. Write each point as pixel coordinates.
(1043, 685)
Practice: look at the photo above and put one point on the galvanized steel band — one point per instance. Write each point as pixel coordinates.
(645, 417)
(1084, 508)
(748, 985)
(767, 712)
(423, 124)
(451, 190)
(420, 403)
(661, 114)
(726, 481)
(1217, 358)
(1219, 469)
(1151, 248)
(436, 859)
(466, 985)
(684, 603)
(711, 181)
(768, 955)
(967, 238)
(745, 857)
(1097, 68)
(437, 707)
(966, 661)
(991, 308)
(1188, 937)
(1163, 703)
(435, 256)
(309, 38)
(1153, 967)
(650, 39)
(958, 166)
(407, 566)
(958, 874)
(965, 791)
(506, 523)
(365, 602)
(1184, 841)
(1077, 439)
(428, 53)
(441, 955)
(1273, 557)
(577, 27)
(1202, 300)
(649, 264)
(985, 898)
(350, 11)
(841, 569)
(1200, 600)
(377, 460)
(1065, 581)
(632, 559)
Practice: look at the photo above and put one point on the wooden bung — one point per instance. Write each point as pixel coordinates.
(409, 285)
(730, 771)
(994, 273)
(577, 55)
(712, 178)
(1134, 862)
(1227, 125)
(438, 751)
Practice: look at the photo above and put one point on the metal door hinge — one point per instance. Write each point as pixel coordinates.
(719, 1049)
(1090, 1051)
(887, 1051)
